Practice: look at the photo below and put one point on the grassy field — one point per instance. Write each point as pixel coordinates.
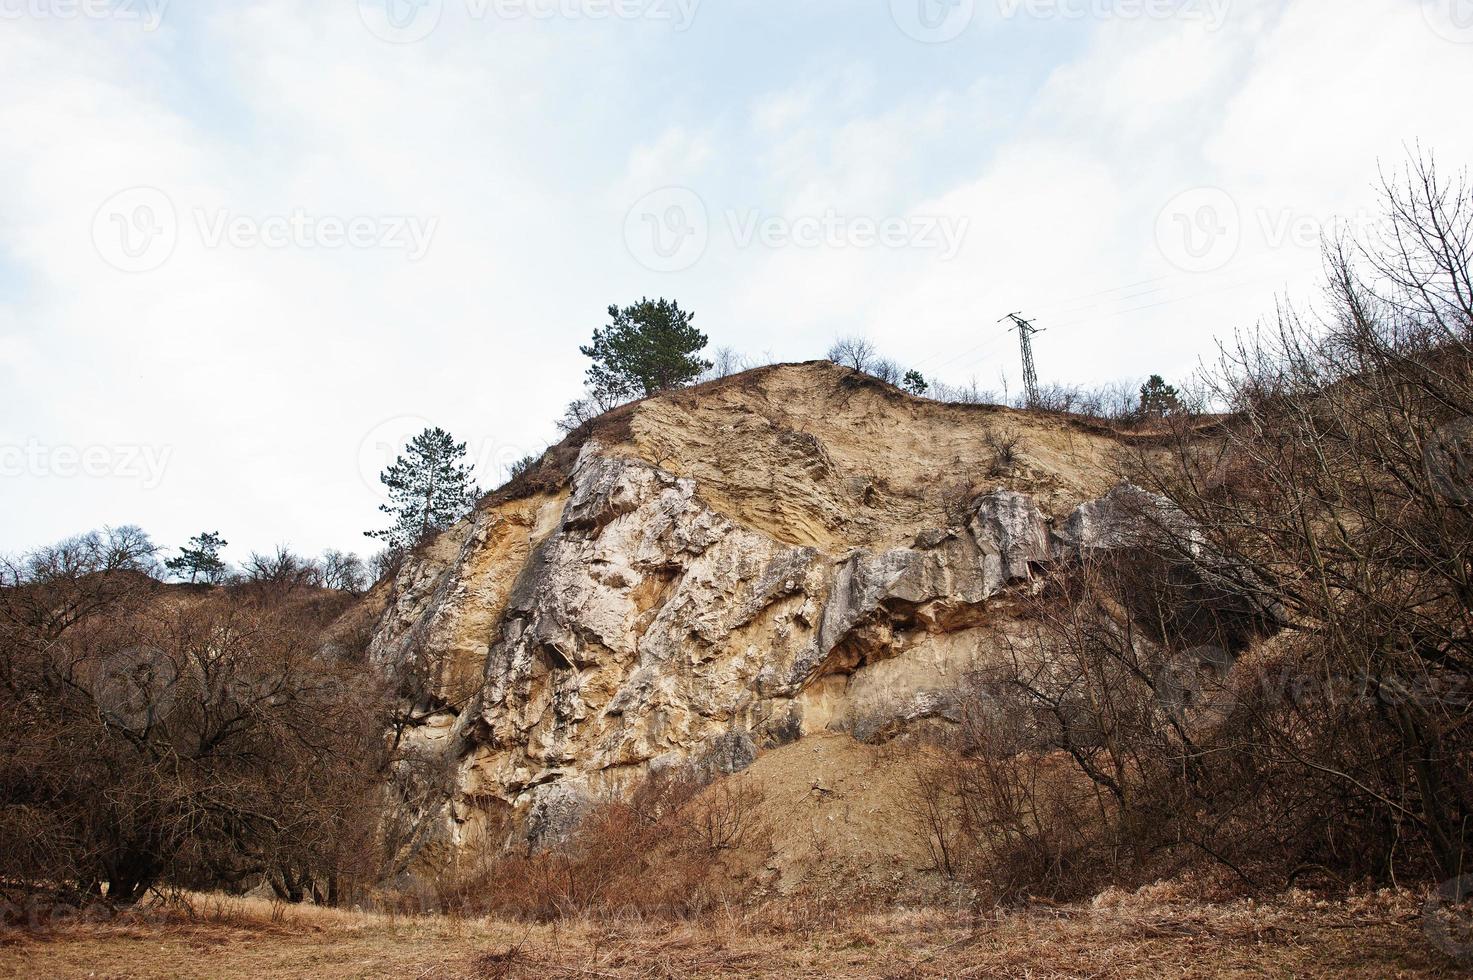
(1141, 935)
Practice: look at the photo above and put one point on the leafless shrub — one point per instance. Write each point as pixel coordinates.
(968, 394)
(649, 853)
(1003, 444)
(726, 362)
(728, 815)
(343, 571)
(886, 370)
(580, 412)
(1272, 673)
(855, 353)
(283, 569)
(387, 562)
(204, 741)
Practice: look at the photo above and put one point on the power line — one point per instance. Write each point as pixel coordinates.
(1054, 306)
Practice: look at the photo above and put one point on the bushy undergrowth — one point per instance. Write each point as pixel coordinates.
(671, 847)
(1273, 673)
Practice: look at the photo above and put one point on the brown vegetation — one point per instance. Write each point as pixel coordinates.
(165, 736)
(1153, 933)
(1271, 673)
(656, 851)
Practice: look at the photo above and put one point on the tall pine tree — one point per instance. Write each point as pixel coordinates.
(647, 348)
(430, 488)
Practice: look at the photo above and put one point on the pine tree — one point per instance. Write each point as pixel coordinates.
(200, 557)
(648, 348)
(430, 488)
(915, 382)
(1158, 399)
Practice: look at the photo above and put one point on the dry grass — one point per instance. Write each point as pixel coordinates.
(1151, 933)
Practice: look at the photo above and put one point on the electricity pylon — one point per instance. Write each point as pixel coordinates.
(1026, 330)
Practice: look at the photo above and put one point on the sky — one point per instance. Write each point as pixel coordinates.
(247, 248)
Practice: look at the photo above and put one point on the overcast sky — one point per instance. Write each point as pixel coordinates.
(246, 248)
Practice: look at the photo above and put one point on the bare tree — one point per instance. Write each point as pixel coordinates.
(283, 568)
(343, 571)
(886, 370)
(1284, 634)
(726, 362)
(202, 740)
(855, 353)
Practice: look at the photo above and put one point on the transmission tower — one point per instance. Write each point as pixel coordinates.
(1026, 330)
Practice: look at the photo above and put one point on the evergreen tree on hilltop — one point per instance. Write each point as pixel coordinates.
(915, 382)
(200, 558)
(1159, 399)
(430, 488)
(647, 348)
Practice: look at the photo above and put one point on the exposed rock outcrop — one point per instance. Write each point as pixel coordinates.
(701, 586)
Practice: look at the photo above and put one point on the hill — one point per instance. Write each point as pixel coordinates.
(708, 575)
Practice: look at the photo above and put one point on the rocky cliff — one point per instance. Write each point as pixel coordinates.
(723, 570)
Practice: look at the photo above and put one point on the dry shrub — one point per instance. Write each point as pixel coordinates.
(1003, 444)
(1269, 670)
(728, 816)
(1014, 825)
(162, 737)
(657, 851)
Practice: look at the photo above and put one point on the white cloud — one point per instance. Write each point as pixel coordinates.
(262, 370)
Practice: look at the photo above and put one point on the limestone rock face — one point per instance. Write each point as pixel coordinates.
(566, 642)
